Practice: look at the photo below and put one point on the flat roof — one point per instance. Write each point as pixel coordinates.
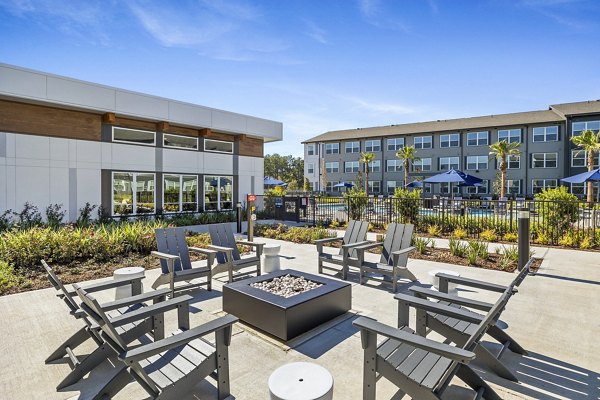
(30, 86)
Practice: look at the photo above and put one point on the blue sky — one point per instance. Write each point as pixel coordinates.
(320, 65)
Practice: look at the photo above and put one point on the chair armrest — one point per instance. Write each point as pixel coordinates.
(100, 286)
(220, 249)
(247, 243)
(432, 306)
(164, 256)
(471, 282)
(362, 246)
(145, 312)
(206, 252)
(434, 294)
(327, 240)
(160, 294)
(444, 350)
(179, 339)
(403, 251)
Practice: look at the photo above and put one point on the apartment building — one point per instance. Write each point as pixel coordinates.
(70, 142)
(547, 154)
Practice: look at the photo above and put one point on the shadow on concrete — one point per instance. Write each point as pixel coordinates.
(324, 342)
(566, 278)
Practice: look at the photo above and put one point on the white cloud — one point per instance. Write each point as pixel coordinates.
(381, 108)
(374, 13)
(316, 32)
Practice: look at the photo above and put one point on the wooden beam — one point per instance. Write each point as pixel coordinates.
(162, 126)
(204, 132)
(109, 118)
(239, 138)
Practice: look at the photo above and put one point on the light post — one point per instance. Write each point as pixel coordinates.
(523, 243)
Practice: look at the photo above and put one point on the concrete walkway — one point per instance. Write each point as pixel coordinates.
(554, 316)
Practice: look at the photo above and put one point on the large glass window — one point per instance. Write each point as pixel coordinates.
(545, 134)
(578, 189)
(394, 165)
(445, 188)
(374, 187)
(218, 193)
(133, 193)
(477, 162)
(351, 166)
(424, 164)
(513, 186)
(544, 160)
(372, 146)
(395, 144)
(513, 162)
(482, 189)
(582, 126)
(579, 159)
(538, 185)
(451, 140)
(448, 163)
(352, 147)
(332, 148)
(310, 168)
(180, 142)
(218, 146)
(333, 166)
(392, 185)
(423, 142)
(375, 166)
(310, 149)
(180, 193)
(135, 136)
(478, 138)
(510, 135)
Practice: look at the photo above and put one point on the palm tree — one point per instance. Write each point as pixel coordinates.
(366, 159)
(408, 155)
(589, 142)
(502, 150)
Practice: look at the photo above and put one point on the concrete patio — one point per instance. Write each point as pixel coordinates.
(554, 316)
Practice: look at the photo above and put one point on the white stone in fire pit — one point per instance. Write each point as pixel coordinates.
(287, 285)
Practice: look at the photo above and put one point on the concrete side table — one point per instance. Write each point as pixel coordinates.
(435, 281)
(123, 274)
(301, 381)
(271, 258)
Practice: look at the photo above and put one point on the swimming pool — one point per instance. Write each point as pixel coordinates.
(332, 207)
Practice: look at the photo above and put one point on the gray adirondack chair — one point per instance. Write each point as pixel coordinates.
(394, 257)
(80, 366)
(421, 367)
(228, 256)
(459, 331)
(175, 262)
(169, 364)
(355, 235)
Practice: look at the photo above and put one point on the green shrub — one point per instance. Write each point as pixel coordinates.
(29, 217)
(55, 215)
(511, 237)
(489, 235)
(586, 243)
(570, 239)
(511, 252)
(421, 244)
(8, 278)
(434, 230)
(459, 233)
(542, 238)
(334, 225)
(457, 248)
(472, 256)
(558, 208)
(357, 200)
(407, 204)
(296, 235)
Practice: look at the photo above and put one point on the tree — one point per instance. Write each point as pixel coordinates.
(589, 142)
(307, 187)
(286, 168)
(408, 155)
(366, 159)
(324, 178)
(502, 150)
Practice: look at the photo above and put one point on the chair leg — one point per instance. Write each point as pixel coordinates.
(86, 365)
(320, 265)
(504, 337)
(222, 351)
(75, 340)
(494, 364)
(470, 377)
(230, 273)
(115, 385)
(369, 365)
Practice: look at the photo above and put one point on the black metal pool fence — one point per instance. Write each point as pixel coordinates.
(568, 223)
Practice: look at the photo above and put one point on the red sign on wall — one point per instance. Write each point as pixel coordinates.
(251, 197)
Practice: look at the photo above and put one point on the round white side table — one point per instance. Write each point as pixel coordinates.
(435, 281)
(271, 258)
(301, 381)
(123, 274)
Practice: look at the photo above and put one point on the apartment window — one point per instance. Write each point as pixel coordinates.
(478, 138)
(579, 189)
(513, 162)
(424, 164)
(180, 142)
(510, 135)
(352, 147)
(579, 159)
(392, 185)
(351, 166)
(310, 169)
(310, 149)
(513, 186)
(395, 144)
(135, 136)
(394, 165)
(372, 146)
(451, 140)
(423, 142)
(582, 126)
(544, 160)
(218, 193)
(133, 193)
(538, 185)
(374, 186)
(332, 167)
(218, 146)
(545, 134)
(447, 163)
(477, 162)
(375, 166)
(483, 189)
(445, 188)
(180, 193)
(332, 148)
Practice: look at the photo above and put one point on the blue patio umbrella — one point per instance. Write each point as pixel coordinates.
(270, 181)
(344, 184)
(454, 176)
(587, 176)
(414, 184)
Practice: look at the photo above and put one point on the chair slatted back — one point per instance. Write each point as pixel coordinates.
(172, 241)
(222, 235)
(58, 285)
(355, 232)
(397, 237)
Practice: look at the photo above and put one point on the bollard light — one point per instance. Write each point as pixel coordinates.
(523, 242)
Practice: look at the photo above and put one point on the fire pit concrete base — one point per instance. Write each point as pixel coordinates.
(286, 318)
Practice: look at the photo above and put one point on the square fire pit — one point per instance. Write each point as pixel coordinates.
(286, 318)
